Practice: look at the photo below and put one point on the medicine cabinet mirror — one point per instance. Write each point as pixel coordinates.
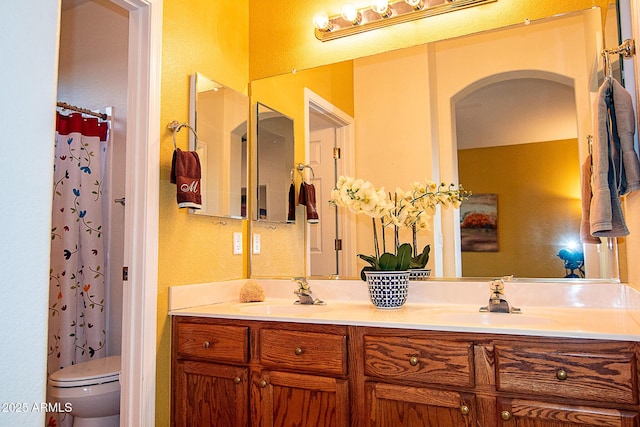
(274, 162)
(219, 116)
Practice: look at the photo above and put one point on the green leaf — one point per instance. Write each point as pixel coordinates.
(421, 260)
(388, 262)
(373, 261)
(404, 256)
(362, 275)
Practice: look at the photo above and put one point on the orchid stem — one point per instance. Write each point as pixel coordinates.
(375, 238)
(396, 237)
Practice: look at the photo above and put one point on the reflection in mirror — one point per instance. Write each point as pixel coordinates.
(524, 164)
(411, 129)
(274, 163)
(219, 116)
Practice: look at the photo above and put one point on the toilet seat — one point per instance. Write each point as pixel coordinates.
(93, 372)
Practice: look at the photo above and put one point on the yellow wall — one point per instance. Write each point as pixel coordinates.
(211, 38)
(281, 34)
(532, 226)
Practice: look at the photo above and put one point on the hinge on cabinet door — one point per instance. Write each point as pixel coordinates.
(125, 274)
(336, 153)
(338, 244)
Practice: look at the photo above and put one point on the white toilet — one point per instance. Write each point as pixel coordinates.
(92, 389)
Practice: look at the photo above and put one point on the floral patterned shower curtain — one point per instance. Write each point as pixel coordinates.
(77, 318)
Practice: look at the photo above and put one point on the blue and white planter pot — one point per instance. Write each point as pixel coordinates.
(419, 274)
(388, 289)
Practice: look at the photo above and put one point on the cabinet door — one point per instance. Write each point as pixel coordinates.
(526, 413)
(393, 405)
(285, 399)
(208, 394)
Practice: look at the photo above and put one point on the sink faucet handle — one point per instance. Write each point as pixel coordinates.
(302, 282)
(497, 286)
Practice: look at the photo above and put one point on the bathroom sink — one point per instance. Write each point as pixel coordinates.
(471, 317)
(280, 308)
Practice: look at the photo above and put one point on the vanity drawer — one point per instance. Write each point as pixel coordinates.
(215, 342)
(418, 359)
(572, 373)
(304, 351)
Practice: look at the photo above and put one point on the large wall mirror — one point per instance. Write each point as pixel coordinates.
(461, 110)
(220, 116)
(274, 162)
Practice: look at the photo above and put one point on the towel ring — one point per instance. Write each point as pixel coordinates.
(301, 169)
(175, 126)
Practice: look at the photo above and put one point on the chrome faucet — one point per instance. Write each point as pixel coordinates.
(304, 293)
(497, 302)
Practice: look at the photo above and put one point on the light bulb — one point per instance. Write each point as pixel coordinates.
(321, 21)
(416, 4)
(381, 7)
(350, 13)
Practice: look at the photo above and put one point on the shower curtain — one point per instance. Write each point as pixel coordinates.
(77, 317)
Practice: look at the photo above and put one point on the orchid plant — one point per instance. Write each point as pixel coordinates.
(413, 209)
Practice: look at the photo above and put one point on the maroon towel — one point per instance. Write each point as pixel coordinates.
(291, 216)
(302, 196)
(186, 173)
(308, 198)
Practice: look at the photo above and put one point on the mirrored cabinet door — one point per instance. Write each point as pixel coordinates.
(220, 115)
(275, 154)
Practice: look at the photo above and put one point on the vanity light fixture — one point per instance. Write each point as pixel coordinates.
(321, 22)
(415, 4)
(382, 13)
(381, 7)
(351, 14)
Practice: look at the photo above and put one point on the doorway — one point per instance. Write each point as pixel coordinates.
(328, 148)
(139, 288)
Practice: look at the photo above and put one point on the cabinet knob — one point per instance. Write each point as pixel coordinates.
(237, 380)
(206, 344)
(263, 384)
(298, 351)
(505, 415)
(413, 361)
(561, 374)
(464, 410)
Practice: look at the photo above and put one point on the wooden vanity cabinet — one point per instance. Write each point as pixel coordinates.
(252, 373)
(302, 378)
(210, 374)
(429, 378)
(414, 378)
(209, 394)
(239, 373)
(530, 413)
(582, 382)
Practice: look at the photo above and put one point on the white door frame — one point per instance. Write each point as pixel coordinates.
(139, 311)
(345, 140)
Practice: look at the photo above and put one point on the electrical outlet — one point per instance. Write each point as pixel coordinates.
(237, 243)
(256, 244)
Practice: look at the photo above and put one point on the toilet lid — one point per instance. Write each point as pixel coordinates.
(93, 372)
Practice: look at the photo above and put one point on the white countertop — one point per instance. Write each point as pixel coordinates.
(594, 310)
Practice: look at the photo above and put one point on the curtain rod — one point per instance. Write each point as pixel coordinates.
(81, 110)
